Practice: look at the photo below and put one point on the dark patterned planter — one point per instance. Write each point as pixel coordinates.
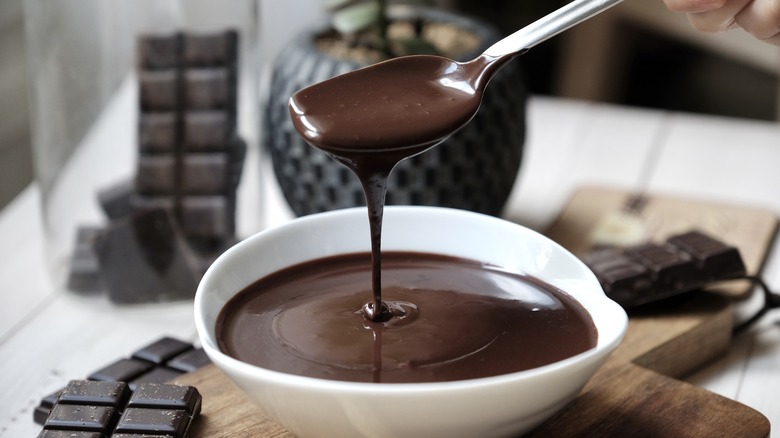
(474, 169)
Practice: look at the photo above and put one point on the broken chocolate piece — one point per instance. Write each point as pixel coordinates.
(716, 259)
(650, 272)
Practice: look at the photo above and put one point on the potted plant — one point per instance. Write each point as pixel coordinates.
(474, 169)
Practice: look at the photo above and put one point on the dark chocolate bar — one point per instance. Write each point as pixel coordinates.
(156, 175)
(189, 165)
(157, 132)
(103, 408)
(158, 90)
(209, 89)
(652, 272)
(156, 52)
(158, 362)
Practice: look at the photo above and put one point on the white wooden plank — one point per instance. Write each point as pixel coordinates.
(571, 143)
(721, 159)
(23, 273)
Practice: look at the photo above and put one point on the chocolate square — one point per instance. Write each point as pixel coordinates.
(210, 49)
(158, 90)
(209, 88)
(162, 350)
(205, 174)
(157, 132)
(716, 259)
(155, 52)
(81, 418)
(672, 270)
(207, 130)
(156, 174)
(207, 217)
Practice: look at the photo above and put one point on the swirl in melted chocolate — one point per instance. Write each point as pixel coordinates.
(453, 319)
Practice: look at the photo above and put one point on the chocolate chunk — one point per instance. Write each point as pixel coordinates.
(207, 217)
(156, 175)
(159, 51)
(115, 199)
(210, 49)
(158, 90)
(84, 272)
(71, 434)
(671, 269)
(190, 360)
(205, 174)
(123, 370)
(162, 350)
(95, 393)
(151, 395)
(157, 132)
(167, 422)
(81, 418)
(716, 259)
(650, 272)
(207, 130)
(153, 410)
(145, 259)
(43, 409)
(209, 88)
(155, 375)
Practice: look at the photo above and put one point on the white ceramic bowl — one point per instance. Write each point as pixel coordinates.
(505, 405)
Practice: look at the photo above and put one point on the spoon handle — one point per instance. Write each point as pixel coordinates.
(549, 26)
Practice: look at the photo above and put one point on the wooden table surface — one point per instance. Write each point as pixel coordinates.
(48, 335)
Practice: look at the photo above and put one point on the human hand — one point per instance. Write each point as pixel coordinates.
(761, 18)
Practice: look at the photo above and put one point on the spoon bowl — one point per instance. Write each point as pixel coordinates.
(412, 103)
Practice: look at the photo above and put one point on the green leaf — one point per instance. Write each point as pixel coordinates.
(413, 46)
(336, 4)
(356, 18)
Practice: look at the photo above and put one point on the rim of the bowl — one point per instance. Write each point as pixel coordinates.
(206, 334)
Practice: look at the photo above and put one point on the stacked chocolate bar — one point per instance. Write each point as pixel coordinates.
(171, 221)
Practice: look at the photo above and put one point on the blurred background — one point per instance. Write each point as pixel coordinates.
(636, 54)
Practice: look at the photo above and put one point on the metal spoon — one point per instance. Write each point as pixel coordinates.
(409, 104)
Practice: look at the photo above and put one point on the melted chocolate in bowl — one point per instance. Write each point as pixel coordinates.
(453, 319)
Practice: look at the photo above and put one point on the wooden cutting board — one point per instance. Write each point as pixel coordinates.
(635, 393)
